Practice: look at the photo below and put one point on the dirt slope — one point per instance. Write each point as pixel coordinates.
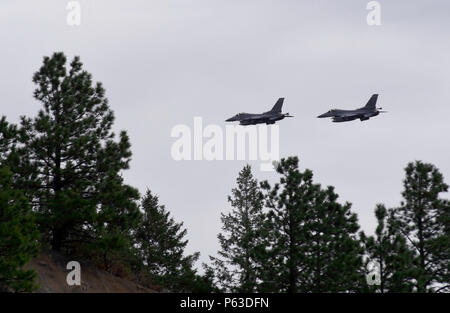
(52, 273)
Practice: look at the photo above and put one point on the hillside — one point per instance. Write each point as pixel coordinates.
(51, 270)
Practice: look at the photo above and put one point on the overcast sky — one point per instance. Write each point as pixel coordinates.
(163, 62)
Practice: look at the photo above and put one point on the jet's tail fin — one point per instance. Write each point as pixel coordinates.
(371, 104)
(277, 107)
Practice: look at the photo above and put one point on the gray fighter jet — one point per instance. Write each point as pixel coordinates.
(364, 113)
(269, 117)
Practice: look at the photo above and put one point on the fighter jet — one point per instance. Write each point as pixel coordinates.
(364, 113)
(269, 117)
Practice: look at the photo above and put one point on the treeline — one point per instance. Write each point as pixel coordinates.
(295, 236)
(61, 189)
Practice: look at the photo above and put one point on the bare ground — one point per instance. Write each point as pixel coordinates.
(52, 273)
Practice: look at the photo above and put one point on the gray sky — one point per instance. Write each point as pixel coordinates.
(163, 62)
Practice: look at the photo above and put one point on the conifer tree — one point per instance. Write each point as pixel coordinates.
(242, 241)
(423, 219)
(333, 260)
(115, 224)
(162, 247)
(388, 249)
(18, 237)
(8, 139)
(75, 157)
(206, 282)
(314, 245)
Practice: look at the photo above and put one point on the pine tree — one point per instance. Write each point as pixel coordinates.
(242, 243)
(206, 283)
(333, 260)
(12, 155)
(441, 248)
(423, 219)
(77, 187)
(314, 246)
(8, 139)
(18, 237)
(287, 201)
(389, 250)
(115, 224)
(162, 246)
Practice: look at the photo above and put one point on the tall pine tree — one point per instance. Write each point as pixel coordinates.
(314, 245)
(162, 246)
(77, 190)
(333, 260)
(388, 249)
(18, 237)
(242, 241)
(423, 218)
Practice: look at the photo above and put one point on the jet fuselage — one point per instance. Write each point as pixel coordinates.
(269, 117)
(363, 114)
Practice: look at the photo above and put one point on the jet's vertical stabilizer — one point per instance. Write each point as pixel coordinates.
(372, 102)
(277, 107)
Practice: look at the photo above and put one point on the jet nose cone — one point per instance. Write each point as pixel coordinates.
(326, 114)
(231, 119)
